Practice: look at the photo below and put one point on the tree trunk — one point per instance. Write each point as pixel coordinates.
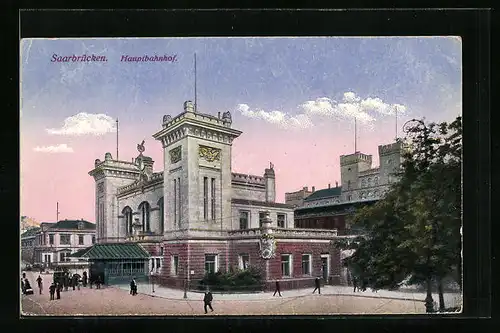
(441, 296)
(429, 302)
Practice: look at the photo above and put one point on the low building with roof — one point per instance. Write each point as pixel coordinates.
(53, 242)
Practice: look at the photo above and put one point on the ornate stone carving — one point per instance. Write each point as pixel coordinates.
(100, 187)
(175, 154)
(189, 106)
(167, 118)
(226, 117)
(209, 153)
(267, 246)
(140, 148)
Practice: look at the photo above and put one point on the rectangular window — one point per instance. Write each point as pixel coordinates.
(63, 256)
(205, 198)
(243, 261)
(158, 264)
(210, 263)
(175, 201)
(243, 220)
(306, 264)
(286, 265)
(93, 239)
(179, 201)
(65, 239)
(80, 239)
(262, 215)
(213, 198)
(162, 251)
(175, 265)
(51, 239)
(281, 220)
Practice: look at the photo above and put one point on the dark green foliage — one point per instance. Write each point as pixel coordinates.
(415, 230)
(233, 281)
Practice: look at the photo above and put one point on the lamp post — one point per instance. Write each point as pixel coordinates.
(429, 301)
(186, 282)
(152, 281)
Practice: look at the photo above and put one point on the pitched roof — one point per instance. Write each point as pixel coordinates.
(335, 208)
(113, 251)
(71, 224)
(30, 232)
(80, 253)
(260, 203)
(324, 193)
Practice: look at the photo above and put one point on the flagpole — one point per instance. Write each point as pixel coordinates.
(195, 92)
(117, 139)
(396, 112)
(355, 136)
(57, 212)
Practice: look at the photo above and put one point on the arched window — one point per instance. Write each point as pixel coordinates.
(127, 215)
(348, 185)
(162, 217)
(145, 209)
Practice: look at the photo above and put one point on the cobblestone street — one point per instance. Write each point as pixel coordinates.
(116, 300)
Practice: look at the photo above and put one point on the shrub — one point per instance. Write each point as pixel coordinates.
(234, 280)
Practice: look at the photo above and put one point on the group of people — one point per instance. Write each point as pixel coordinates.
(317, 286)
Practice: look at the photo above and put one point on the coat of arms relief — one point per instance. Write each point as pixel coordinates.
(175, 154)
(210, 154)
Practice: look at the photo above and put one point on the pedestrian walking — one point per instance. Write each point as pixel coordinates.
(22, 285)
(133, 287)
(74, 281)
(317, 284)
(39, 281)
(98, 282)
(52, 291)
(355, 283)
(208, 301)
(66, 281)
(58, 290)
(277, 290)
(84, 279)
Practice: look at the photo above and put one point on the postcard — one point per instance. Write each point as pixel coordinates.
(240, 176)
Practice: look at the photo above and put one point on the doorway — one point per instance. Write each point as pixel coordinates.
(324, 268)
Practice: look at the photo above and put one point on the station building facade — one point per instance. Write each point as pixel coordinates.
(196, 215)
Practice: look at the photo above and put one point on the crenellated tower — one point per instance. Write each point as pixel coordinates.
(350, 168)
(197, 169)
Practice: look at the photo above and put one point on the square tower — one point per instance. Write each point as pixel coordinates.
(109, 175)
(350, 167)
(390, 157)
(197, 170)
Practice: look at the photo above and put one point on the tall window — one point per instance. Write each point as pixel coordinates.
(281, 220)
(65, 239)
(179, 200)
(286, 265)
(127, 215)
(306, 264)
(158, 264)
(162, 217)
(262, 215)
(51, 239)
(348, 185)
(205, 198)
(175, 265)
(210, 263)
(80, 239)
(213, 199)
(175, 202)
(243, 261)
(145, 210)
(243, 220)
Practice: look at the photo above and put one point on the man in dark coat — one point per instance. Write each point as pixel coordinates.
(317, 284)
(22, 285)
(84, 279)
(58, 290)
(208, 300)
(40, 285)
(355, 283)
(98, 282)
(133, 287)
(277, 290)
(52, 291)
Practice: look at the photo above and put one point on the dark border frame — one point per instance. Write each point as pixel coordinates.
(472, 25)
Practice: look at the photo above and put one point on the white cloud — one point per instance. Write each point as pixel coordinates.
(352, 106)
(85, 123)
(366, 111)
(61, 148)
(276, 117)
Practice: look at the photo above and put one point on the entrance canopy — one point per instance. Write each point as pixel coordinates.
(116, 251)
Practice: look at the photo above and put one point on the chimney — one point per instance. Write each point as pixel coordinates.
(329, 185)
(219, 114)
(336, 184)
(313, 189)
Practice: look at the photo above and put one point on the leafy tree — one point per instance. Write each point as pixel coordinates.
(415, 230)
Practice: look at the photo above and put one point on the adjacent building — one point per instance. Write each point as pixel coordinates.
(296, 199)
(51, 244)
(197, 216)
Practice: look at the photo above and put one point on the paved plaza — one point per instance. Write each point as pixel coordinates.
(116, 300)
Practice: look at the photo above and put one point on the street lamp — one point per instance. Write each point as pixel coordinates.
(152, 281)
(186, 282)
(429, 301)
